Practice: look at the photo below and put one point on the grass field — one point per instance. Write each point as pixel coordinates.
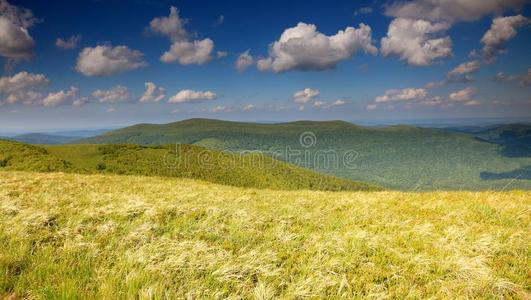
(67, 236)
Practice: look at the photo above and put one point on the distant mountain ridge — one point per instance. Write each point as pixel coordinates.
(400, 157)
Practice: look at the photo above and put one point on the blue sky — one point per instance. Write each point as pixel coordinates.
(377, 71)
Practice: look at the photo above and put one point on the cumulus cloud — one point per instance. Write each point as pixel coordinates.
(115, 94)
(304, 48)
(419, 41)
(419, 97)
(221, 54)
(401, 95)
(465, 96)
(464, 71)
(502, 30)
(191, 96)
(304, 96)
(187, 53)
(23, 88)
(26, 88)
(171, 26)
(55, 99)
(69, 43)
(450, 10)
(15, 41)
(108, 60)
(416, 41)
(182, 50)
(522, 79)
(244, 60)
(152, 93)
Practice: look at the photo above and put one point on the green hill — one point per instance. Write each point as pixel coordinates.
(187, 161)
(399, 157)
(23, 157)
(43, 138)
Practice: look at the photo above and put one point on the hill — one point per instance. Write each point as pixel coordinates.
(23, 157)
(252, 170)
(398, 157)
(106, 237)
(43, 138)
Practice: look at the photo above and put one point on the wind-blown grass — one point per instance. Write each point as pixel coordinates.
(107, 237)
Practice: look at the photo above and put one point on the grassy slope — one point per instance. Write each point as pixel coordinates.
(170, 161)
(400, 157)
(108, 237)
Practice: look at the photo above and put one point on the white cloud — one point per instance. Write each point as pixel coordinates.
(416, 41)
(363, 11)
(401, 95)
(304, 96)
(108, 60)
(187, 53)
(463, 71)
(171, 26)
(244, 60)
(502, 30)
(338, 102)
(152, 93)
(319, 103)
(221, 108)
(15, 41)
(69, 43)
(26, 88)
(190, 96)
(182, 50)
(249, 107)
(115, 94)
(55, 99)
(450, 10)
(23, 88)
(80, 101)
(522, 79)
(465, 96)
(304, 48)
(371, 107)
(322, 104)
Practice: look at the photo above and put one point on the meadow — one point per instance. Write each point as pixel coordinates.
(75, 236)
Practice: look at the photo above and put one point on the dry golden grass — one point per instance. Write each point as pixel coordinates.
(101, 236)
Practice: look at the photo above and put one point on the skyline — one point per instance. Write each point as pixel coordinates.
(97, 64)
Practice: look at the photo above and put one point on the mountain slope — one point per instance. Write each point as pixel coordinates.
(71, 236)
(398, 157)
(186, 161)
(43, 138)
(24, 157)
